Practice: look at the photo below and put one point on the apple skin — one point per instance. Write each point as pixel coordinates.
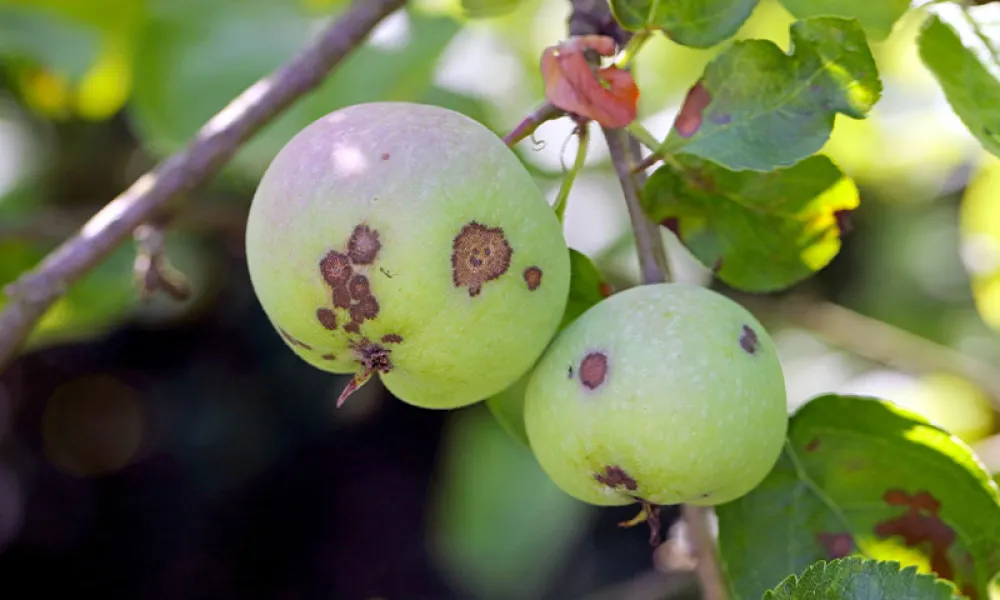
(408, 198)
(666, 393)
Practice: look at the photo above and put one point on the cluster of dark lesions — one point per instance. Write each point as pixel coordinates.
(351, 290)
(345, 273)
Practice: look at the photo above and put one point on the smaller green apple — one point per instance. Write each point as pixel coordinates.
(660, 394)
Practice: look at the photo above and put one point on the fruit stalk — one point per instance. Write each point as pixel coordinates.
(648, 243)
(211, 148)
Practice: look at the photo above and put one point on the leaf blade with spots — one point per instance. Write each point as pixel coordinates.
(961, 48)
(757, 231)
(699, 24)
(757, 108)
(878, 18)
(849, 578)
(860, 477)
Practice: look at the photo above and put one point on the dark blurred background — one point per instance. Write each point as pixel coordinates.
(169, 450)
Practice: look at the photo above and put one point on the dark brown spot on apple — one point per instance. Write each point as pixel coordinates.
(294, 341)
(385, 156)
(392, 338)
(329, 357)
(336, 268)
(327, 318)
(364, 245)
(920, 526)
(359, 287)
(689, 118)
(353, 327)
(341, 296)
(479, 254)
(749, 341)
(616, 477)
(836, 545)
(533, 277)
(593, 370)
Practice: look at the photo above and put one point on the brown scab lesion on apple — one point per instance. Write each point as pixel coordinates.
(479, 254)
(593, 370)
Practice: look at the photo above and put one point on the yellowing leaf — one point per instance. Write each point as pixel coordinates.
(980, 226)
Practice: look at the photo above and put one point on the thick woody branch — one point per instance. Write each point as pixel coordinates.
(213, 146)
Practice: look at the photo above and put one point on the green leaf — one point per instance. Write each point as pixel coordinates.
(757, 231)
(961, 47)
(980, 232)
(482, 9)
(102, 299)
(877, 17)
(489, 486)
(587, 287)
(863, 477)
(758, 108)
(49, 40)
(855, 578)
(695, 23)
(197, 56)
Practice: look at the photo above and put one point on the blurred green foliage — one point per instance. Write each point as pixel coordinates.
(923, 252)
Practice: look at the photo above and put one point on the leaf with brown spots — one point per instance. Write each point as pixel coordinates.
(758, 231)
(756, 107)
(861, 477)
(608, 96)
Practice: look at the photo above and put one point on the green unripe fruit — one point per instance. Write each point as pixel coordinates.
(408, 240)
(664, 394)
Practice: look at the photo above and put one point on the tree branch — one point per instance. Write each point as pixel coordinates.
(214, 145)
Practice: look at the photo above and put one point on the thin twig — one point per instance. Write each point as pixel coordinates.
(214, 145)
(707, 568)
(542, 114)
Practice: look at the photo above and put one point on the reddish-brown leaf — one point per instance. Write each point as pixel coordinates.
(610, 96)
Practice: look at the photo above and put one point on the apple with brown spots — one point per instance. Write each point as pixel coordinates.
(660, 394)
(394, 239)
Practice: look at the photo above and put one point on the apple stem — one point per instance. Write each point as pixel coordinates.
(355, 384)
(648, 513)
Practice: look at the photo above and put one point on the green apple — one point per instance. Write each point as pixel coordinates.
(664, 394)
(408, 241)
